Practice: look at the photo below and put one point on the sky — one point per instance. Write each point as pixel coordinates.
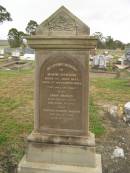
(110, 17)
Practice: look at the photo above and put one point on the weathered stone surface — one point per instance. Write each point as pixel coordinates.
(37, 167)
(61, 154)
(62, 92)
(67, 151)
(66, 140)
(61, 141)
(62, 42)
(63, 22)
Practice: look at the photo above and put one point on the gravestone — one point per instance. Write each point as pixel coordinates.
(128, 55)
(100, 61)
(61, 141)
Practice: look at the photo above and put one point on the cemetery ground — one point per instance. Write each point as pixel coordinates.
(16, 118)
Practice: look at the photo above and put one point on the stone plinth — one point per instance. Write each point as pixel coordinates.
(64, 153)
(38, 167)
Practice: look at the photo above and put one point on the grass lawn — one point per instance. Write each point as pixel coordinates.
(107, 90)
(17, 104)
(16, 109)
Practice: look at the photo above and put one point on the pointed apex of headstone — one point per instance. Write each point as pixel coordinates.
(63, 23)
(63, 7)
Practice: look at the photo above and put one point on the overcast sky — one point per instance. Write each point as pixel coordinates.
(111, 17)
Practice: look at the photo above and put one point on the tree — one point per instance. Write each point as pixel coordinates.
(127, 45)
(15, 37)
(119, 44)
(31, 27)
(109, 42)
(100, 40)
(4, 15)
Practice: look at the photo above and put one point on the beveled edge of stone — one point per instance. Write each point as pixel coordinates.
(64, 42)
(31, 167)
(65, 140)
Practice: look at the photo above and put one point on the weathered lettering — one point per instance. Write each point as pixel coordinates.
(61, 95)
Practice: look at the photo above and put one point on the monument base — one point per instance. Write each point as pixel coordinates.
(37, 167)
(48, 154)
(61, 151)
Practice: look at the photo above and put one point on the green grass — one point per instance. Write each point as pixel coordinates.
(17, 119)
(16, 109)
(16, 115)
(96, 125)
(8, 104)
(16, 105)
(111, 90)
(112, 84)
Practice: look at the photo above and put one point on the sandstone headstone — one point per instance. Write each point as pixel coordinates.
(61, 140)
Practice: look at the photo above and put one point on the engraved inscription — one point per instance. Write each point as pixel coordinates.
(61, 96)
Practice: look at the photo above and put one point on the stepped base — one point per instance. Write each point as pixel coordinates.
(37, 167)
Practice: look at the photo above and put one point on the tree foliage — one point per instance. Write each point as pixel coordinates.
(15, 37)
(4, 15)
(100, 39)
(119, 44)
(31, 27)
(107, 42)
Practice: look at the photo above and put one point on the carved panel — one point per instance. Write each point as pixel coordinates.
(61, 95)
(62, 22)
